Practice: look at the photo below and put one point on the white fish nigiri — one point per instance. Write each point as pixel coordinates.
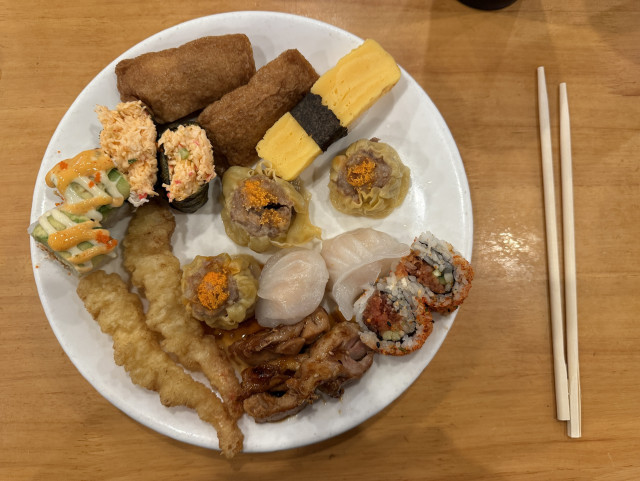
(292, 285)
(355, 259)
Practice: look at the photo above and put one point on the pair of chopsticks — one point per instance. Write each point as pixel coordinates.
(567, 373)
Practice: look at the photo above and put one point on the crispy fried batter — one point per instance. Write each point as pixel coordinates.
(156, 271)
(119, 314)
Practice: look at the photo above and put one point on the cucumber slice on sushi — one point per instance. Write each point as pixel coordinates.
(185, 161)
(90, 185)
(78, 242)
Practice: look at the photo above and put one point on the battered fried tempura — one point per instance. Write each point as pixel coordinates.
(136, 348)
(156, 271)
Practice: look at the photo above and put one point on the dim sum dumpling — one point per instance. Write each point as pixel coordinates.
(368, 180)
(292, 285)
(355, 259)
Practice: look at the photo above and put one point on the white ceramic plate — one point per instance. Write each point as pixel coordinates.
(438, 201)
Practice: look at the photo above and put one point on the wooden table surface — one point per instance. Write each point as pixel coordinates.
(484, 408)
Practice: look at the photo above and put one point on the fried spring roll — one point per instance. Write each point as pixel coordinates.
(237, 121)
(176, 82)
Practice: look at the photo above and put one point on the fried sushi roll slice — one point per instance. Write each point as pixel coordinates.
(76, 241)
(393, 317)
(89, 184)
(176, 82)
(237, 121)
(261, 210)
(185, 161)
(368, 180)
(222, 290)
(443, 273)
(128, 137)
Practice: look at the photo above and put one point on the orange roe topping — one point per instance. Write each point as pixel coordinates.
(103, 237)
(271, 217)
(92, 184)
(212, 290)
(361, 173)
(63, 165)
(256, 195)
(98, 176)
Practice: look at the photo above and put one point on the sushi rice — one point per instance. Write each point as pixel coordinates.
(404, 297)
(449, 269)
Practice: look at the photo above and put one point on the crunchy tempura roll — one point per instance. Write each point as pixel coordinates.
(237, 121)
(443, 273)
(178, 81)
(392, 316)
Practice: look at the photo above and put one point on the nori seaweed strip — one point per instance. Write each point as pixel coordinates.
(194, 201)
(318, 121)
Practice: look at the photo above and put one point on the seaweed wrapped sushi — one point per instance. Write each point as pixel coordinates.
(392, 316)
(128, 137)
(185, 159)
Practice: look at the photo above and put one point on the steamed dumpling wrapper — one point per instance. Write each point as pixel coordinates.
(261, 210)
(292, 285)
(368, 180)
(355, 259)
(221, 290)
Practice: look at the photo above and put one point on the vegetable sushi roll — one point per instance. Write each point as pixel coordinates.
(443, 273)
(89, 184)
(77, 241)
(392, 316)
(369, 179)
(222, 290)
(262, 210)
(186, 166)
(128, 137)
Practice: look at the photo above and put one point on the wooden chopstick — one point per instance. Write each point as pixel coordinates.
(574, 428)
(557, 327)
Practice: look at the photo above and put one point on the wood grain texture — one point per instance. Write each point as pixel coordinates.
(484, 408)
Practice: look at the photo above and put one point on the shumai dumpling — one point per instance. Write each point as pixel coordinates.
(222, 290)
(262, 210)
(369, 179)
